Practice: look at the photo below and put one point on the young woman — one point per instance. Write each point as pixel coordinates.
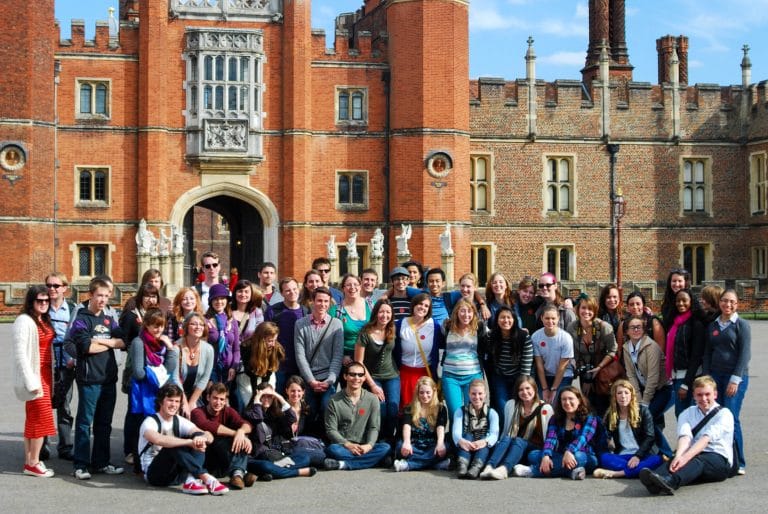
(684, 350)
(153, 362)
(644, 362)
(271, 418)
(185, 302)
(552, 354)
(594, 347)
(568, 448)
(223, 336)
(424, 422)
(709, 304)
(374, 347)
(262, 355)
(610, 306)
(549, 292)
(498, 293)
(131, 321)
(417, 346)
(636, 307)
(726, 358)
(468, 289)
(464, 335)
(676, 280)
(509, 355)
(312, 280)
(526, 304)
(475, 430)
(415, 274)
(630, 426)
(247, 309)
(525, 429)
(310, 446)
(353, 312)
(33, 375)
(195, 361)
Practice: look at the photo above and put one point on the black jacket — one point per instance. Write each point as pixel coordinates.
(644, 435)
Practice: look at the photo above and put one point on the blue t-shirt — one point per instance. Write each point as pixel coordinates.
(440, 303)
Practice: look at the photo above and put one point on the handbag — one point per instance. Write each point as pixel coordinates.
(609, 374)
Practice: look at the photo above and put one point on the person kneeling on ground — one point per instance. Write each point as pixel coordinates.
(704, 445)
(171, 446)
(352, 424)
(228, 453)
(475, 430)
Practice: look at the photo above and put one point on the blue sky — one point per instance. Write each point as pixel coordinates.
(717, 29)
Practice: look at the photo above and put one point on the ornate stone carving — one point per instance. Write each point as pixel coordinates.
(225, 9)
(445, 241)
(231, 40)
(377, 245)
(226, 135)
(331, 247)
(352, 246)
(402, 240)
(144, 239)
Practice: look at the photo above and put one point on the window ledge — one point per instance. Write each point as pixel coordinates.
(93, 117)
(350, 207)
(92, 204)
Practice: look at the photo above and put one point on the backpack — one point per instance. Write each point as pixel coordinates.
(176, 431)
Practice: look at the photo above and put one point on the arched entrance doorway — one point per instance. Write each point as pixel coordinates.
(251, 221)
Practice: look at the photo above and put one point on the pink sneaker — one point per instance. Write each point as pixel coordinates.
(194, 487)
(38, 470)
(216, 488)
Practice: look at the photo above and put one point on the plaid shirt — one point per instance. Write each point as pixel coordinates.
(582, 435)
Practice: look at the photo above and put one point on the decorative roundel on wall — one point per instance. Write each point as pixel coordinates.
(12, 157)
(439, 164)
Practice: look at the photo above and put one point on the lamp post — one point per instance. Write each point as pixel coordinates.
(619, 209)
(613, 149)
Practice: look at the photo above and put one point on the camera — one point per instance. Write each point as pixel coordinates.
(584, 375)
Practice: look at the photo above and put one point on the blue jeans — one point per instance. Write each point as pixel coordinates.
(583, 459)
(475, 458)
(389, 407)
(510, 451)
(680, 405)
(618, 462)
(95, 406)
(420, 458)
(317, 403)
(502, 389)
(733, 404)
(550, 379)
(659, 405)
(263, 466)
(365, 461)
(169, 466)
(456, 390)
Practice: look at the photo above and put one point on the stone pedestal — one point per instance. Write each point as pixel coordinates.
(403, 257)
(176, 280)
(164, 265)
(376, 264)
(447, 262)
(334, 278)
(142, 265)
(352, 265)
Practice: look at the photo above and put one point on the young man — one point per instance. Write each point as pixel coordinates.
(171, 446)
(95, 337)
(210, 267)
(228, 453)
(443, 302)
(704, 456)
(352, 425)
(267, 276)
(319, 346)
(285, 315)
(369, 279)
(323, 266)
(62, 312)
(401, 303)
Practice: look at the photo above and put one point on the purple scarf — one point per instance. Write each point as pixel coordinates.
(680, 319)
(154, 350)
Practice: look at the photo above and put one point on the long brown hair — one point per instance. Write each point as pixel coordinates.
(28, 307)
(612, 414)
(490, 296)
(389, 330)
(581, 412)
(263, 360)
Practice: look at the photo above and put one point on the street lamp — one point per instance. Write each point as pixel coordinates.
(619, 210)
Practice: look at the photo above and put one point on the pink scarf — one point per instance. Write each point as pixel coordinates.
(154, 350)
(669, 364)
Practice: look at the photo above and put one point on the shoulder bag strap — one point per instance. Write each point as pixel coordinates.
(421, 350)
(701, 424)
(319, 341)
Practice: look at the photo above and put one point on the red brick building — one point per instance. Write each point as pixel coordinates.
(239, 108)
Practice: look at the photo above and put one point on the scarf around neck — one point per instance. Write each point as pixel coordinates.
(154, 350)
(680, 319)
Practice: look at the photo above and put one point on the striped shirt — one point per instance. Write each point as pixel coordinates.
(461, 355)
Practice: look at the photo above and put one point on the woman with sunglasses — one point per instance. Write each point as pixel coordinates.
(549, 292)
(33, 375)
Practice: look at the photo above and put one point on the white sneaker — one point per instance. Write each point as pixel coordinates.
(401, 465)
(486, 472)
(109, 469)
(521, 470)
(499, 473)
(82, 474)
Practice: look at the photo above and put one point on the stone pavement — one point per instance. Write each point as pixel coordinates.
(378, 490)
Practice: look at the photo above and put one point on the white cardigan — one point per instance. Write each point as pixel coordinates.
(26, 357)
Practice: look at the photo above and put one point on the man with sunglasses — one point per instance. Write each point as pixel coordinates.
(323, 266)
(62, 312)
(210, 265)
(352, 425)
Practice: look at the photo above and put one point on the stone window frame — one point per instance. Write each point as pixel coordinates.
(558, 249)
(75, 248)
(350, 175)
(758, 183)
(478, 185)
(759, 261)
(92, 201)
(475, 259)
(697, 189)
(557, 184)
(94, 83)
(350, 92)
(698, 250)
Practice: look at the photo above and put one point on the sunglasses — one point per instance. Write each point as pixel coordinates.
(358, 375)
(324, 271)
(544, 286)
(54, 286)
(42, 300)
(210, 266)
(679, 271)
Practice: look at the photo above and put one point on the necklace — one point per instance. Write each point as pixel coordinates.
(193, 352)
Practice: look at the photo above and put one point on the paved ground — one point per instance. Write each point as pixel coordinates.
(379, 490)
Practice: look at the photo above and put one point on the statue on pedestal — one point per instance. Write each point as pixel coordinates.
(352, 246)
(144, 239)
(445, 241)
(331, 246)
(377, 245)
(402, 240)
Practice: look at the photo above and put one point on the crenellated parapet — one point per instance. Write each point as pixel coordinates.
(104, 41)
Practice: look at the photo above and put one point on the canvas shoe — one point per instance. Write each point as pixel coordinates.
(216, 488)
(578, 473)
(82, 474)
(521, 470)
(499, 473)
(38, 470)
(195, 487)
(109, 469)
(400, 465)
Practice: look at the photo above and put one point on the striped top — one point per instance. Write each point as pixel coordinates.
(461, 355)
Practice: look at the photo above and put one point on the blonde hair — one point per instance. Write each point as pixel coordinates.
(612, 414)
(429, 412)
(453, 322)
(176, 309)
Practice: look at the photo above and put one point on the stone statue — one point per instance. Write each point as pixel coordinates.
(377, 244)
(177, 240)
(445, 241)
(352, 246)
(155, 251)
(164, 246)
(144, 239)
(331, 245)
(402, 240)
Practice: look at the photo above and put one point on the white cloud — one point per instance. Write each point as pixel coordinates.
(483, 17)
(563, 59)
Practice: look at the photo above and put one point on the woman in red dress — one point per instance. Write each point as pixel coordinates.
(33, 375)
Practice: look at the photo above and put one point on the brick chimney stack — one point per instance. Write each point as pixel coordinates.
(607, 25)
(664, 47)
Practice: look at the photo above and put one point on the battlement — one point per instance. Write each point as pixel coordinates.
(358, 47)
(102, 42)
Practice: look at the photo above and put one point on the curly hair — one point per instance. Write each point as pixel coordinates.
(263, 358)
(582, 411)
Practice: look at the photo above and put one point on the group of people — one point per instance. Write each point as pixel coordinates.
(277, 379)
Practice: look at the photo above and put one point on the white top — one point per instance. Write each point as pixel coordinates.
(411, 356)
(627, 439)
(719, 429)
(552, 349)
(186, 428)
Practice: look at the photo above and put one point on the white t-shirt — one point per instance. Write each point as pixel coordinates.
(552, 349)
(411, 356)
(186, 428)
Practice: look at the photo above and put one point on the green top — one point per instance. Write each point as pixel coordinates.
(352, 327)
(347, 422)
(378, 357)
